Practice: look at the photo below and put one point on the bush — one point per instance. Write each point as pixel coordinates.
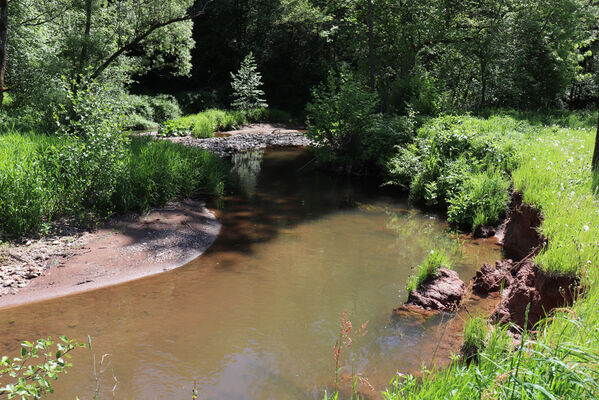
(89, 165)
(341, 117)
(164, 107)
(173, 128)
(147, 112)
(459, 162)
(482, 201)
(428, 269)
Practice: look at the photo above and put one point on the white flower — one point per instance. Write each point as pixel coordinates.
(586, 228)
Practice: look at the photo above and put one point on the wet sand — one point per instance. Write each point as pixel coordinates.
(123, 250)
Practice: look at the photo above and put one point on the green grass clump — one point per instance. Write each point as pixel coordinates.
(428, 269)
(482, 200)
(475, 335)
(34, 188)
(204, 124)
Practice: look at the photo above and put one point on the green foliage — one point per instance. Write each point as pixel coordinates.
(246, 84)
(30, 375)
(204, 124)
(560, 362)
(174, 128)
(343, 122)
(475, 336)
(32, 192)
(428, 269)
(460, 162)
(160, 171)
(147, 112)
(88, 166)
(482, 200)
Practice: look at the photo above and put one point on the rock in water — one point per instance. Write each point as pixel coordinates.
(443, 292)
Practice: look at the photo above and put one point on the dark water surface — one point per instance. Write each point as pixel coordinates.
(256, 317)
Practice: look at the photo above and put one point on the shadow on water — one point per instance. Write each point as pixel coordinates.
(257, 315)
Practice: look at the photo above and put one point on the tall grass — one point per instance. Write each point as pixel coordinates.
(206, 123)
(32, 193)
(562, 360)
(428, 269)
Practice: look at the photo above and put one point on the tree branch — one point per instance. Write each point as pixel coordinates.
(191, 14)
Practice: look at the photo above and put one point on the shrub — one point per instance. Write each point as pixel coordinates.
(483, 200)
(164, 107)
(89, 165)
(341, 116)
(453, 161)
(147, 112)
(173, 128)
(475, 335)
(428, 269)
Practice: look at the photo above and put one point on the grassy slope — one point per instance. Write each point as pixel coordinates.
(555, 176)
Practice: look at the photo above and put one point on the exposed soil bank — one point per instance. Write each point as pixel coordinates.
(125, 249)
(518, 281)
(520, 236)
(524, 285)
(250, 137)
(443, 292)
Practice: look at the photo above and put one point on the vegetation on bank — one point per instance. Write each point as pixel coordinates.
(428, 269)
(560, 359)
(91, 168)
(206, 123)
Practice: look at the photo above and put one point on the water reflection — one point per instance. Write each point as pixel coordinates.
(246, 168)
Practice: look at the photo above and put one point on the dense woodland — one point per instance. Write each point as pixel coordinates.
(457, 103)
(436, 56)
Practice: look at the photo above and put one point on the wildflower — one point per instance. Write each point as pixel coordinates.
(586, 228)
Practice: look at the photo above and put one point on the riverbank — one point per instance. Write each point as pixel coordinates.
(249, 137)
(559, 356)
(121, 250)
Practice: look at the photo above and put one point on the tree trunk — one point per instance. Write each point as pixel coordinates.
(595, 163)
(483, 82)
(371, 45)
(85, 44)
(3, 49)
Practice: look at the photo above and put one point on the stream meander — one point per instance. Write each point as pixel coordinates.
(257, 315)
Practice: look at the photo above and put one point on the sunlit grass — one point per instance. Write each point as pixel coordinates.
(157, 172)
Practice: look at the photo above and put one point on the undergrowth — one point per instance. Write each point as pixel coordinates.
(206, 123)
(38, 183)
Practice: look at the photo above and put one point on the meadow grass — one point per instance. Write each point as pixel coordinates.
(428, 269)
(156, 172)
(561, 361)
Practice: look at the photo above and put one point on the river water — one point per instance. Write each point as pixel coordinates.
(257, 316)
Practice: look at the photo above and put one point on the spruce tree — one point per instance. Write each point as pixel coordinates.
(246, 85)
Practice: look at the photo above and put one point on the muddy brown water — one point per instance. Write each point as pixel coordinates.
(256, 317)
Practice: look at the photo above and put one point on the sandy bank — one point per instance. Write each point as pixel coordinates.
(124, 249)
